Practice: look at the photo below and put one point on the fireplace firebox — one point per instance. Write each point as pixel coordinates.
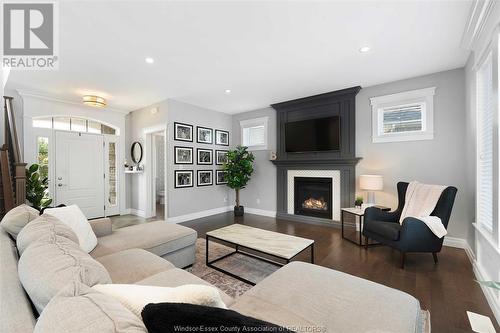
(313, 197)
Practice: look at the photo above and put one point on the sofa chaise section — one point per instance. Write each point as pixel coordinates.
(170, 241)
(302, 295)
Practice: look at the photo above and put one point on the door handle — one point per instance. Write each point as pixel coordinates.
(60, 185)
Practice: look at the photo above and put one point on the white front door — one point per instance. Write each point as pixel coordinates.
(79, 172)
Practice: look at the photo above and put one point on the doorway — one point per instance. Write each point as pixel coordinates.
(159, 172)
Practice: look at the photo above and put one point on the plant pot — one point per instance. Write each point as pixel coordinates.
(239, 210)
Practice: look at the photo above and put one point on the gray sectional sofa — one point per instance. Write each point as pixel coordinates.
(300, 296)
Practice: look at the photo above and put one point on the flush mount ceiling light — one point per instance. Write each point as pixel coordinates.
(364, 49)
(95, 101)
(149, 60)
(227, 91)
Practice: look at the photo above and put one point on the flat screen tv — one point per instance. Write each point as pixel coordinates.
(311, 135)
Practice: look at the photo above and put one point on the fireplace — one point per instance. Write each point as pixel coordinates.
(313, 197)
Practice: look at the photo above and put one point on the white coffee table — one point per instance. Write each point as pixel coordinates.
(274, 244)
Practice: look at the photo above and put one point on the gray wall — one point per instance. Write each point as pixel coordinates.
(190, 200)
(261, 190)
(186, 200)
(438, 161)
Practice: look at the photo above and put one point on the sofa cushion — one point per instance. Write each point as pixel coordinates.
(78, 308)
(73, 217)
(180, 317)
(135, 297)
(158, 237)
(16, 314)
(46, 266)
(17, 218)
(179, 277)
(43, 227)
(389, 230)
(306, 295)
(130, 266)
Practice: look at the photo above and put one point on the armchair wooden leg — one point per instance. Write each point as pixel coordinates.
(403, 257)
(435, 256)
(366, 242)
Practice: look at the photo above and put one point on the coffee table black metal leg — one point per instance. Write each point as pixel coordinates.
(312, 253)
(206, 250)
(342, 221)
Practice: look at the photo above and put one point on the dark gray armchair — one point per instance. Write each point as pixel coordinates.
(412, 235)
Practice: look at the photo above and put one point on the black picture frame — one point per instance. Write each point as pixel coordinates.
(176, 160)
(176, 138)
(198, 128)
(217, 142)
(211, 151)
(217, 182)
(217, 156)
(198, 172)
(176, 175)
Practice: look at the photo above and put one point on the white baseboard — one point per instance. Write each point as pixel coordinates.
(489, 293)
(137, 212)
(261, 212)
(197, 215)
(461, 244)
(478, 272)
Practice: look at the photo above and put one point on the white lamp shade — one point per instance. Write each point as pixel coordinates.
(371, 182)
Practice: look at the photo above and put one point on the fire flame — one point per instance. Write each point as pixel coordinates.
(312, 203)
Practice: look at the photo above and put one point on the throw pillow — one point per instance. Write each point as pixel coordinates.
(178, 317)
(135, 297)
(44, 227)
(73, 217)
(17, 218)
(46, 266)
(78, 308)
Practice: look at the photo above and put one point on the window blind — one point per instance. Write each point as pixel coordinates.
(485, 109)
(402, 118)
(253, 136)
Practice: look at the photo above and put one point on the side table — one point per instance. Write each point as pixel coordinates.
(359, 216)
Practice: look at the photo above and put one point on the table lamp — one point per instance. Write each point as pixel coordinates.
(371, 183)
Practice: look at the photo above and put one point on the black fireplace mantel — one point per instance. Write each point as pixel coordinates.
(340, 103)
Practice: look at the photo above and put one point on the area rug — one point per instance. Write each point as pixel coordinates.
(247, 267)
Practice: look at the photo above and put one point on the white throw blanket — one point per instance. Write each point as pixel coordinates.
(420, 201)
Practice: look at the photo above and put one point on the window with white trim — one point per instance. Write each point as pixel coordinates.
(254, 133)
(485, 140)
(73, 124)
(405, 116)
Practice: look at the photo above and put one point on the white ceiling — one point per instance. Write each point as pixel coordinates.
(265, 52)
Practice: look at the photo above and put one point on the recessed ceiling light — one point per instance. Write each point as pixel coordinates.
(364, 49)
(149, 60)
(227, 91)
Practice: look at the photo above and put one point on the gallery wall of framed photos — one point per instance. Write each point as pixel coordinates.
(204, 150)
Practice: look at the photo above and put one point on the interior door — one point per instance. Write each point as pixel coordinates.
(79, 172)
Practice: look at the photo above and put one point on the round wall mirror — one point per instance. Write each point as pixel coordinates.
(136, 152)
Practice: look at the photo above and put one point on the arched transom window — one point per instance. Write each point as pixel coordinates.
(74, 124)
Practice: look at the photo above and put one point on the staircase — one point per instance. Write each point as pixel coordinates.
(12, 167)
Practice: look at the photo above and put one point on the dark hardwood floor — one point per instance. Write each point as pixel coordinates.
(447, 289)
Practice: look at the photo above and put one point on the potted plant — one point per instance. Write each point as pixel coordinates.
(358, 202)
(238, 168)
(36, 188)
